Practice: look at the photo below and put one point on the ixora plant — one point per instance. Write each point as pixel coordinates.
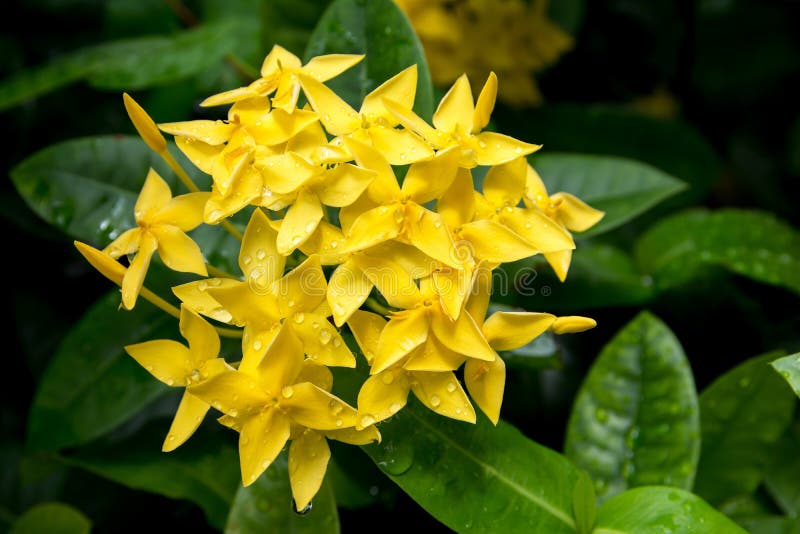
(326, 292)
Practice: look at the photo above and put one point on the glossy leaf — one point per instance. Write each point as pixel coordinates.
(205, 470)
(91, 385)
(789, 369)
(128, 64)
(635, 420)
(379, 29)
(584, 504)
(53, 518)
(749, 243)
(781, 480)
(622, 188)
(87, 188)
(500, 480)
(674, 147)
(743, 413)
(661, 509)
(267, 506)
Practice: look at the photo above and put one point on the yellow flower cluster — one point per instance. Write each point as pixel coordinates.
(514, 38)
(334, 230)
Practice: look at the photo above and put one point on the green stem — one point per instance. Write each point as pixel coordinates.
(242, 68)
(219, 273)
(377, 307)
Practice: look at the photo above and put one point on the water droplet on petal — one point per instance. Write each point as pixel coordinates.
(170, 382)
(257, 344)
(299, 318)
(367, 420)
(310, 227)
(287, 392)
(325, 336)
(451, 387)
(387, 377)
(337, 342)
(260, 254)
(435, 401)
(304, 511)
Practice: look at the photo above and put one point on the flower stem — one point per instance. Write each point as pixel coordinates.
(219, 273)
(165, 306)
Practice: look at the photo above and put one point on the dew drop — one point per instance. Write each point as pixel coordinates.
(387, 377)
(170, 438)
(296, 240)
(287, 392)
(257, 344)
(149, 368)
(367, 420)
(451, 387)
(170, 382)
(291, 303)
(337, 342)
(339, 422)
(315, 325)
(299, 318)
(334, 244)
(435, 401)
(234, 412)
(310, 227)
(214, 215)
(261, 254)
(304, 511)
(325, 336)
(437, 224)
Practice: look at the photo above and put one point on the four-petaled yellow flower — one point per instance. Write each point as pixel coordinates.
(162, 221)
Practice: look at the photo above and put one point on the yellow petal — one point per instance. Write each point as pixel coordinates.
(457, 204)
(452, 285)
(178, 251)
(302, 289)
(287, 93)
(534, 186)
(279, 58)
(321, 342)
(219, 208)
(456, 109)
(194, 296)
(134, 276)
(334, 113)
(401, 88)
(426, 231)
(392, 280)
(280, 126)
(399, 147)
(485, 104)
(442, 393)
(511, 330)
(572, 324)
(300, 222)
(144, 125)
(400, 336)
(415, 262)
(576, 214)
(282, 361)
(348, 288)
(462, 336)
(559, 261)
(248, 302)
(355, 437)
(344, 184)
(410, 120)
(478, 302)
(228, 97)
(190, 414)
(209, 132)
(486, 383)
(493, 242)
(373, 227)
(428, 180)
(537, 229)
(504, 184)
(165, 359)
(495, 149)
(203, 156)
(308, 460)
(102, 262)
(232, 392)
(127, 243)
(203, 339)
(286, 173)
(315, 408)
(261, 440)
(327, 242)
(251, 109)
(433, 356)
(382, 396)
(256, 340)
(366, 328)
(258, 256)
(184, 211)
(384, 188)
(155, 194)
(323, 68)
(319, 375)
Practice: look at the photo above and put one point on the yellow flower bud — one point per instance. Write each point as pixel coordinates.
(572, 324)
(102, 262)
(144, 125)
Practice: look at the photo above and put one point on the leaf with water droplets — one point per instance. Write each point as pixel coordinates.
(749, 243)
(267, 506)
(620, 187)
(652, 509)
(379, 29)
(789, 369)
(743, 413)
(635, 420)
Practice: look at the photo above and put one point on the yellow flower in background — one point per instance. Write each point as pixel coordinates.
(514, 38)
(162, 223)
(179, 366)
(280, 75)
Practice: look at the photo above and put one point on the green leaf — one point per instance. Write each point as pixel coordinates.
(476, 477)
(661, 509)
(53, 518)
(743, 413)
(541, 353)
(789, 369)
(750, 243)
(622, 188)
(205, 470)
(584, 504)
(635, 420)
(781, 480)
(380, 30)
(87, 188)
(128, 64)
(267, 506)
(674, 147)
(91, 385)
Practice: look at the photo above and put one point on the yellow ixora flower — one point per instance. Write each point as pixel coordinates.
(458, 122)
(280, 74)
(162, 222)
(179, 366)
